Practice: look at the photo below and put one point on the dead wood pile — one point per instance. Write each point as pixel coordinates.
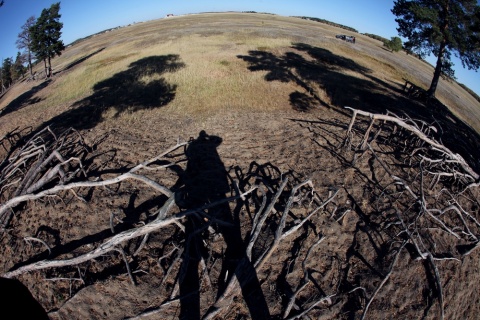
(267, 231)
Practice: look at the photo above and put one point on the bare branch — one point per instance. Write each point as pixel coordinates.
(385, 279)
(39, 240)
(422, 136)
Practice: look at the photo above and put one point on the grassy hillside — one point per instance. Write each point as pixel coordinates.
(215, 52)
(257, 172)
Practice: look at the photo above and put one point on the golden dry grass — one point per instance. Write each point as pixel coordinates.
(214, 78)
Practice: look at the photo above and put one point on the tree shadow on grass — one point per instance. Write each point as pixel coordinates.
(329, 80)
(342, 80)
(28, 98)
(139, 87)
(25, 99)
(80, 60)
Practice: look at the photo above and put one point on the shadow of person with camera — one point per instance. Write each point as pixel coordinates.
(16, 301)
(205, 184)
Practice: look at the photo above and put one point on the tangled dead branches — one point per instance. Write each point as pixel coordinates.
(273, 208)
(263, 235)
(434, 197)
(37, 163)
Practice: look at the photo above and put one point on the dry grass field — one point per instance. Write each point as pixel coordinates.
(269, 92)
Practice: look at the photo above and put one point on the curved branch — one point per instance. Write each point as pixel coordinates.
(420, 135)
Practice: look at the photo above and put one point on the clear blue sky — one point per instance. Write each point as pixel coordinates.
(84, 17)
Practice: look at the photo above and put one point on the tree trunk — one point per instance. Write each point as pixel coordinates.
(441, 52)
(46, 69)
(438, 70)
(30, 62)
(49, 67)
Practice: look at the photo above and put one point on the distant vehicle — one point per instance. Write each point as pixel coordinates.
(346, 38)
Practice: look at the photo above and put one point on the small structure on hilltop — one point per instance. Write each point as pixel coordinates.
(169, 15)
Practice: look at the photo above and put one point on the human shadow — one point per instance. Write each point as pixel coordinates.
(204, 184)
(139, 87)
(16, 301)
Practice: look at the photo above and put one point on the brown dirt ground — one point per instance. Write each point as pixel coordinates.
(357, 251)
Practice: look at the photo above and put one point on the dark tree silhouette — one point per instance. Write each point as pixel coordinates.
(441, 27)
(46, 34)
(24, 41)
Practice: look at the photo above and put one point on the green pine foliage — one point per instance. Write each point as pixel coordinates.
(46, 34)
(441, 28)
(330, 23)
(394, 44)
(6, 74)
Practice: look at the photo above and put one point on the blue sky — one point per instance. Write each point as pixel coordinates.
(84, 17)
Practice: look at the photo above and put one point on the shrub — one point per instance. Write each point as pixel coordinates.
(395, 44)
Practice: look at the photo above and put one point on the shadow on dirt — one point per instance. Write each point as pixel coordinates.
(16, 299)
(330, 80)
(139, 87)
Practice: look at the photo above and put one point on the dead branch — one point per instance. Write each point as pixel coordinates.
(42, 160)
(116, 240)
(327, 300)
(304, 281)
(439, 285)
(172, 265)
(414, 130)
(410, 209)
(39, 240)
(431, 201)
(124, 257)
(4, 207)
(104, 248)
(234, 285)
(38, 162)
(30, 195)
(385, 279)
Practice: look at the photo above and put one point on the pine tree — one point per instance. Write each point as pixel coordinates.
(6, 73)
(441, 27)
(45, 34)
(18, 69)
